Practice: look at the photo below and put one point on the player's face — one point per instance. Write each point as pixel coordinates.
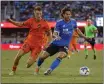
(89, 22)
(67, 15)
(38, 14)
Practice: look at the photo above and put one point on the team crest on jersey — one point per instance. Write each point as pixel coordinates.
(65, 31)
(39, 25)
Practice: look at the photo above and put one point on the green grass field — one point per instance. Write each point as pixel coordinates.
(67, 72)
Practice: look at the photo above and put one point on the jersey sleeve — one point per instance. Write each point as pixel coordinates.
(27, 23)
(94, 28)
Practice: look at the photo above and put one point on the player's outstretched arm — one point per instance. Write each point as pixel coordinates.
(80, 33)
(95, 31)
(16, 23)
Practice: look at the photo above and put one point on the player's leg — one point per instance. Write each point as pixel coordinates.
(72, 49)
(69, 50)
(24, 49)
(35, 51)
(42, 58)
(51, 50)
(61, 54)
(69, 53)
(92, 44)
(86, 51)
(16, 61)
(40, 61)
(30, 61)
(75, 44)
(94, 52)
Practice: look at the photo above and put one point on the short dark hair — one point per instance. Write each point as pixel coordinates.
(64, 10)
(38, 8)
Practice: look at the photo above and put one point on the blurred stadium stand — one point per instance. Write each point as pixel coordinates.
(22, 10)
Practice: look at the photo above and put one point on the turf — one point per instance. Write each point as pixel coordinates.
(67, 72)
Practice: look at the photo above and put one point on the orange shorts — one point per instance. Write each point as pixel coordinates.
(35, 50)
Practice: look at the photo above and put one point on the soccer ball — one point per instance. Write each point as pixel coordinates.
(84, 71)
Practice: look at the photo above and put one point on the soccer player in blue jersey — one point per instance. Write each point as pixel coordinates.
(63, 33)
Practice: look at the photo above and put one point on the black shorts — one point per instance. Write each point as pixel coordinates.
(53, 49)
(91, 41)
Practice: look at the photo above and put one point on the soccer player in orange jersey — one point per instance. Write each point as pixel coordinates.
(73, 43)
(39, 28)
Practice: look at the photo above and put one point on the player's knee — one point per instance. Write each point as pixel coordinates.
(45, 55)
(62, 55)
(42, 58)
(59, 58)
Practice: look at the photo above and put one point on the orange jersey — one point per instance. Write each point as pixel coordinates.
(74, 38)
(37, 32)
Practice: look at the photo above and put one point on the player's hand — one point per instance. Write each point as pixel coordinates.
(58, 38)
(87, 38)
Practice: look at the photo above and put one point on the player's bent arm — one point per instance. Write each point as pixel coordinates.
(16, 23)
(80, 33)
(56, 33)
(95, 31)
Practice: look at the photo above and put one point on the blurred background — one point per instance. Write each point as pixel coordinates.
(22, 10)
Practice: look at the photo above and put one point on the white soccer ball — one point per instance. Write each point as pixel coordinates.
(84, 71)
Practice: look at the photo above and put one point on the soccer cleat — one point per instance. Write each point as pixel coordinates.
(77, 51)
(72, 52)
(86, 57)
(94, 57)
(68, 56)
(12, 73)
(48, 71)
